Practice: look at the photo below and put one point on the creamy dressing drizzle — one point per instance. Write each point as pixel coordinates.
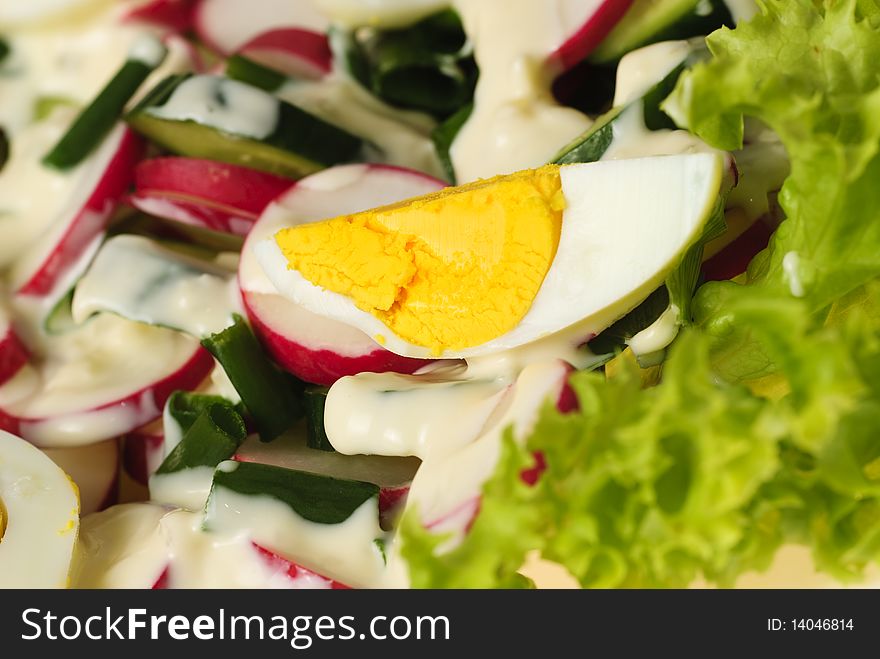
(401, 137)
(516, 123)
(162, 288)
(224, 104)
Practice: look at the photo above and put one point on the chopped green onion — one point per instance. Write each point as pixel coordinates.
(248, 71)
(96, 120)
(213, 437)
(185, 407)
(319, 499)
(316, 435)
(4, 148)
(272, 398)
(427, 66)
(444, 135)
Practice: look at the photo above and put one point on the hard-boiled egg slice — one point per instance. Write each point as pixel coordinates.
(503, 262)
(42, 517)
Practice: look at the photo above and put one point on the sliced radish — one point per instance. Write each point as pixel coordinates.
(143, 451)
(588, 22)
(313, 348)
(95, 470)
(13, 353)
(226, 25)
(445, 507)
(104, 179)
(174, 15)
(205, 193)
(301, 576)
(294, 52)
(100, 381)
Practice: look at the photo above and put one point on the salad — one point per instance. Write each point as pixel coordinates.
(439, 293)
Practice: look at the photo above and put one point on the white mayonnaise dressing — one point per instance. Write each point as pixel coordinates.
(71, 59)
(632, 139)
(641, 69)
(31, 194)
(516, 123)
(221, 103)
(444, 491)
(659, 334)
(74, 374)
(424, 416)
(148, 50)
(791, 268)
(187, 488)
(121, 547)
(345, 552)
(742, 10)
(402, 137)
(161, 288)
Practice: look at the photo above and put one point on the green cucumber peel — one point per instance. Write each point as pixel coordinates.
(319, 499)
(300, 143)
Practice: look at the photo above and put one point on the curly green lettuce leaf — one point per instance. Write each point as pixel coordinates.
(808, 69)
(693, 478)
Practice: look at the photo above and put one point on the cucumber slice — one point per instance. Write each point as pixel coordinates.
(319, 499)
(227, 120)
(95, 121)
(652, 21)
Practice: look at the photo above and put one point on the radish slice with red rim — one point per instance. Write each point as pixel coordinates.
(316, 349)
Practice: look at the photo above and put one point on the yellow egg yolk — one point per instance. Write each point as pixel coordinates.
(446, 271)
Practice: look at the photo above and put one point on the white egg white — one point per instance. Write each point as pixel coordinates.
(625, 226)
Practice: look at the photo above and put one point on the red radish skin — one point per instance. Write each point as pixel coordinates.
(205, 193)
(143, 451)
(225, 25)
(589, 34)
(86, 223)
(734, 259)
(141, 406)
(318, 366)
(173, 15)
(294, 52)
(293, 570)
(162, 582)
(13, 354)
(317, 349)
